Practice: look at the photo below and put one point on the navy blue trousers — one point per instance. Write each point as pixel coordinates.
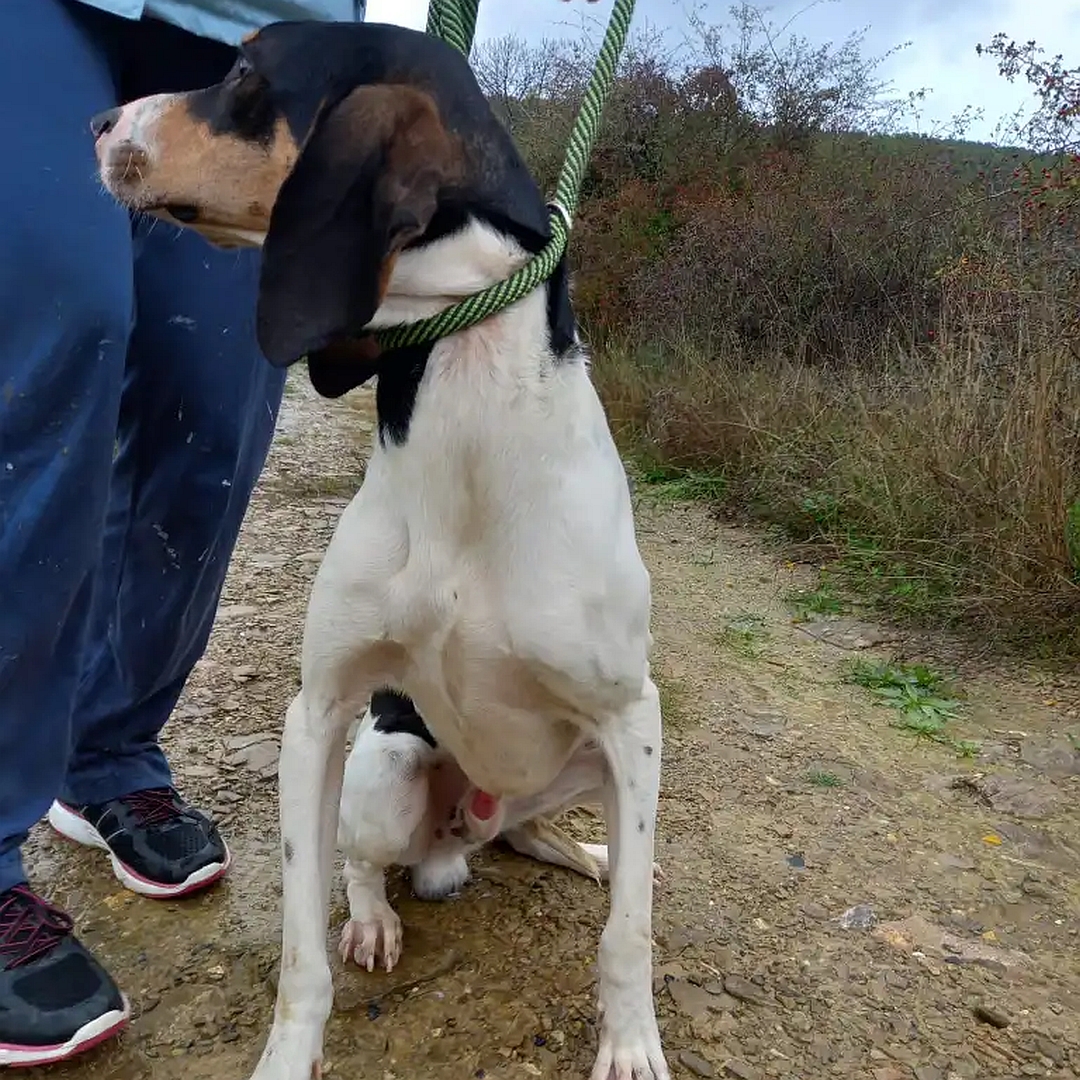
(136, 412)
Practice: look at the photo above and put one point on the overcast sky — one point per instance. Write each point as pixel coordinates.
(943, 35)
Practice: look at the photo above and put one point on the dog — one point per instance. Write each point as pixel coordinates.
(488, 567)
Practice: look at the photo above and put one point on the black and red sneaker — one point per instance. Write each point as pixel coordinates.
(159, 846)
(56, 1000)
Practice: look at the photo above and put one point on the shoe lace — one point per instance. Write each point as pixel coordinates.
(153, 806)
(29, 927)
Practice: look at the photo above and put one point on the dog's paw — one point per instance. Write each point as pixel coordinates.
(376, 938)
(440, 876)
(629, 1037)
(633, 1057)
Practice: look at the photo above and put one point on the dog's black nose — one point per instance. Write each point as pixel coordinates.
(104, 121)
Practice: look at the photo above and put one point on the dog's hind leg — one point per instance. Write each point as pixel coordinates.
(629, 1037)
(529, 822)
(530, 827)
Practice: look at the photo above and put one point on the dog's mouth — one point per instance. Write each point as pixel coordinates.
(185, 213)
(190, 216)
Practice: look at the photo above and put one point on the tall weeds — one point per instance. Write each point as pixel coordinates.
(873, 338)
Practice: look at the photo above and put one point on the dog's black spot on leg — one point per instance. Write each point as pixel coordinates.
(648, 751)
(641, 825)
(288, 851)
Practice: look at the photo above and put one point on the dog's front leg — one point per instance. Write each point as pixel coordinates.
(309, 781)
(629, 1037)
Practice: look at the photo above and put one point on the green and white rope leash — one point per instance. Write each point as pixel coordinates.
(455, 22)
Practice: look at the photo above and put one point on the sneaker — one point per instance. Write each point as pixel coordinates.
(158, 845)
(56, 1000)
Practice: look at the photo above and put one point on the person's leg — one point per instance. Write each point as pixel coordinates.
(199, 408)
(65, 309)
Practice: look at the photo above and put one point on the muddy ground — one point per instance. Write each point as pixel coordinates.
(788, 799)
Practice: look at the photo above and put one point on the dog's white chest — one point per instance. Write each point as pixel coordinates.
(507, 574)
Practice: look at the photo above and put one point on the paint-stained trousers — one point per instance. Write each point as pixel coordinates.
(136, 412)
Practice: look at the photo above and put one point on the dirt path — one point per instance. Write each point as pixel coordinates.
(788, 799)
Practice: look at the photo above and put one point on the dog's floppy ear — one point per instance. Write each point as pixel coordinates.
(367, 182)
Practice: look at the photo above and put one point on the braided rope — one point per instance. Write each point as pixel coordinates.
(455, 22)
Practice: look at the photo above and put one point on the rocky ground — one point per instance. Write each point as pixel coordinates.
(842, 899)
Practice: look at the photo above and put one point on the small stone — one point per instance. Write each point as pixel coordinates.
(680, 939)
(235, 611)
(859, 917)
(227, 796)
(241, 742)
(725, 1024)
(690, 1000)
(889, 1072)
(697, 1065)
(992, 1015)
(665, 973)
(260, 757)
(1017, 795)
(850, 634)
(813, 910)
(722, 1001)
(245, 672)
(199, 772)
(1055, 756)
(1032, 886)
(963, 1068)
(738, 1068)
(1048, 1048)
(743, 990)
(916, 934)
(763, 726)
(822, 1049)
(928, 1072)
(955, 862)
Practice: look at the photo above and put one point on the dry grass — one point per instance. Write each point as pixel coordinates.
(944, 487)
(870, 339)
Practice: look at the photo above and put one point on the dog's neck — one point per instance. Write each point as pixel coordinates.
(486, 366)
(429, 279)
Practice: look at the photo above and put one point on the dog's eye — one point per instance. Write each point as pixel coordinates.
(239, 70)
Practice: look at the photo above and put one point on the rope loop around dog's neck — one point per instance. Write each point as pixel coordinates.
(455, 22)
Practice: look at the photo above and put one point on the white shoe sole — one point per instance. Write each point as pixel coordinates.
(74, 827)
(88, 1036)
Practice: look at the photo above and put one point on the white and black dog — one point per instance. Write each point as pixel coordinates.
(488, 567)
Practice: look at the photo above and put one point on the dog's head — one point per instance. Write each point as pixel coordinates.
(336, 148)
